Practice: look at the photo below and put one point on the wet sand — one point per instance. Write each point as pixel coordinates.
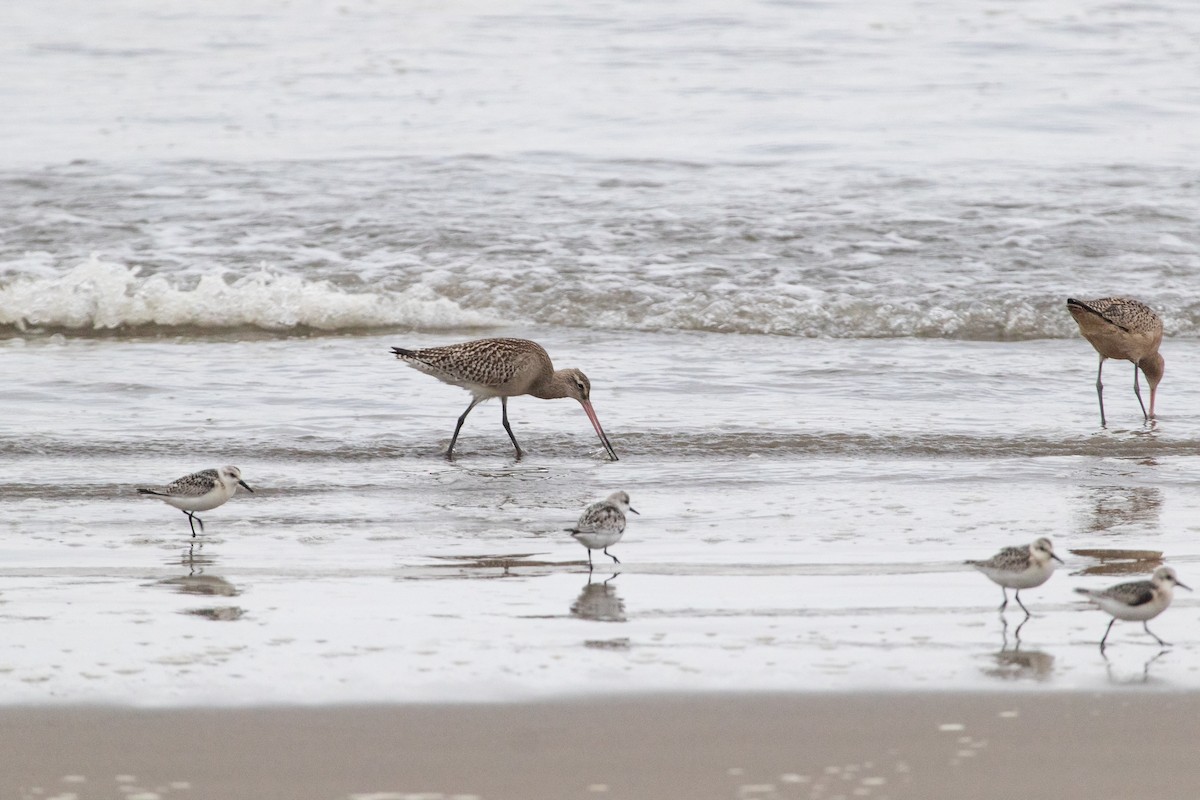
(879, 745)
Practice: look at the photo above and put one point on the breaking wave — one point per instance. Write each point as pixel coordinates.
(100, 295)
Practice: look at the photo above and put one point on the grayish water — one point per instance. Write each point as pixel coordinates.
(813, 257)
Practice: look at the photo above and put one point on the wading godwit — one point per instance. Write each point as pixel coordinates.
(1139, 601)
(1020, 568)
(503, 368)
(602, 525)
(200, 491)
(1124, 329)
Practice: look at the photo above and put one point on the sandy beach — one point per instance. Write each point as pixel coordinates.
(876, 745)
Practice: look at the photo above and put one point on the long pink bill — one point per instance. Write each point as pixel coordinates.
(587, 409)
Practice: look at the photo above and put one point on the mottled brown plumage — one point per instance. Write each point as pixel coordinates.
(1123, 329)
(503, 368)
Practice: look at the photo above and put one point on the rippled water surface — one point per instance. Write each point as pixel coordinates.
(813, 257)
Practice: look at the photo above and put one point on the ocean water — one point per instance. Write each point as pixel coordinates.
(813, 257)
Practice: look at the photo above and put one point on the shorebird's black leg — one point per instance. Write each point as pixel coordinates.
(1146, 625)
(1138, 391)
(1017, 597)
(589, 563)
(1106, 632)
(450, 450)
(610, 555)
(1017, 632)
(1004, 605)
(1100, 392)
(192, 520)
(507, 427)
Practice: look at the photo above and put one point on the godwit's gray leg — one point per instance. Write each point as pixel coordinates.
(1017, 597)
(610, 555)
(1125, 329)
(450, 450)
(1138, 391)
(507, 427)
(1146, 625)
(1106, 632)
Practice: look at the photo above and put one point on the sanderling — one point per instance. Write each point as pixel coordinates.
(200, 491)
(1020, 568)
(602, 525)
(1137, 600)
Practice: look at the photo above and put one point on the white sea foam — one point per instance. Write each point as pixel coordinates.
(103, 295)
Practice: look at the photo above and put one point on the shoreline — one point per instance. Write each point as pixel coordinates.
(862, 744)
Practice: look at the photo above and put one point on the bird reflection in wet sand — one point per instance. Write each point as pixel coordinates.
(1018, 568)
(1134, 678)
(602, 525)
(599, 602)
(1018, 664)
(1113, 508)
(1137, 601)
(207, 585)
(196, 583)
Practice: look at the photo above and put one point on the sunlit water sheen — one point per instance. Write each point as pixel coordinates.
(813, 257)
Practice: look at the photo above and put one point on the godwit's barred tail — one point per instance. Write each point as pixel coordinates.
(1139, 601)
(200, 491)
(503, 368)
(1124, 329)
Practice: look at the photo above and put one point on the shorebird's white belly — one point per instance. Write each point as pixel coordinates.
(1032, 576)
(1142, 613)
(215, 497)
(598, 540)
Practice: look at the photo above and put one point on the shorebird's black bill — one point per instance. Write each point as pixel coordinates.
(634, 510)
(245, 486)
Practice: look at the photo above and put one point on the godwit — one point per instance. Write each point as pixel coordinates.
(1125, 329)
(1140, 601)
(602, 525)
(1020, 568)
(200, 491)
(503, 368)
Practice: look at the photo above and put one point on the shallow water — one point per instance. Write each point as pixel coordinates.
(801, 527)
(813, 257)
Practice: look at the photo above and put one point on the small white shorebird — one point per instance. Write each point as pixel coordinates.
(1020, 568)
(1137, 601)
(200, 491)
(602, 525)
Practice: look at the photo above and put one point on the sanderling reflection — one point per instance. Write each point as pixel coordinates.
(200, 491)
(1020, 568)
(602, 525)
(1137, 601)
